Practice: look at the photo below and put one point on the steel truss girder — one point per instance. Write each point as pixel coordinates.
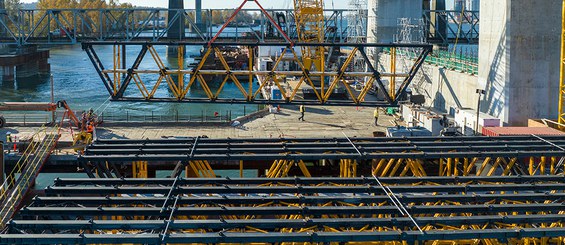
(316, 149)
(469, 32)
(180, 91)
(139, 24)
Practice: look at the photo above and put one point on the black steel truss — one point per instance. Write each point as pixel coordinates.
(179, 90)
(84, 211)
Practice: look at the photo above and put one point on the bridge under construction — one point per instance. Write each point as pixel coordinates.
(410, 187)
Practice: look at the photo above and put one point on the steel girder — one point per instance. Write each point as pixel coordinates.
(316, 149)
(277, 237)
(254, 210)
(39, 225)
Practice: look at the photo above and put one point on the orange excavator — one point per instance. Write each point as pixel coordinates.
(84, 126)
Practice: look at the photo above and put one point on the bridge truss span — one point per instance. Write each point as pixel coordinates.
(126, 81)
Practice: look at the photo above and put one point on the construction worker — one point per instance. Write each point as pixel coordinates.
(376, 115)
(90, 128)
(9, 137)
(302, 110)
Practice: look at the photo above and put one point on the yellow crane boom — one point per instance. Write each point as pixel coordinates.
(309, 17)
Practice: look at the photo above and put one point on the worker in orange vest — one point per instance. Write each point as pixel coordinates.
(90, 128)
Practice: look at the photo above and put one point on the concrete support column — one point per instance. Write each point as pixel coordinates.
(176, 30)
(8, 73)
(177, 26)
(519, 59)
(3, 30)
(29, 69)
(198, 14)
(438, 21)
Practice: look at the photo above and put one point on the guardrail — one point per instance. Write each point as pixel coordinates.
(467, 62)
(176, 116)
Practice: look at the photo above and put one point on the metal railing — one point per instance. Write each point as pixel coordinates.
(467, 62)
(27, 118)
(176, 116)
(14, 188)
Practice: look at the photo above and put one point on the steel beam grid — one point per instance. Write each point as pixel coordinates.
(316, 149)
(204, 78)
(503, 209)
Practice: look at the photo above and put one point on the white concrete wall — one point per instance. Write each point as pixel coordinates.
(384, 15)
(444, 90)
(519, 58)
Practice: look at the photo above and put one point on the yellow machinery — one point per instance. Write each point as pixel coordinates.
(310, 29)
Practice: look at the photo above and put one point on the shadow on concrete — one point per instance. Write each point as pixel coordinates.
(493, 103)
(326, 124)
(309, 109)
(450, 88)
(105, 134)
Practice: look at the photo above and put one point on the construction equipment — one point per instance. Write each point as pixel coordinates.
(310, 29)
(84, 126)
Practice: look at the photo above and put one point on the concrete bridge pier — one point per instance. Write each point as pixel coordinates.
(8, 73)
(437, 22)
(177, 27)
(26, 61)
(519, 59)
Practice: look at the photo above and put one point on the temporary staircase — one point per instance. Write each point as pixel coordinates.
(22, 177)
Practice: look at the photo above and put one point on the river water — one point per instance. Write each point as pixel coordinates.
(76, 81)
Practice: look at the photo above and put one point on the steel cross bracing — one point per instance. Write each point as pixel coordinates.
(455, 210)
(71, 26)
(120, 76)
(440, 29)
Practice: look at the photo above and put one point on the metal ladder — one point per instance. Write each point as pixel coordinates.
(20, 180)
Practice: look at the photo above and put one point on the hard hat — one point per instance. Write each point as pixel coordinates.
(8, 133)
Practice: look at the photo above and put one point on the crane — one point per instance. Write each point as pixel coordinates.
(309, 17)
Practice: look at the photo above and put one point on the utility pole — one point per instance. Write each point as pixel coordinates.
(480, 92)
